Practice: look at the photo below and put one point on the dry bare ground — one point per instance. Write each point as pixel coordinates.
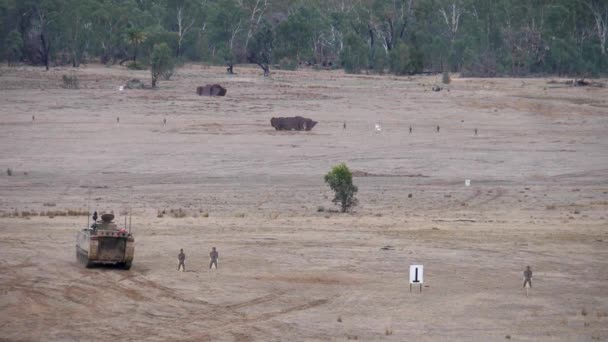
(288, 272)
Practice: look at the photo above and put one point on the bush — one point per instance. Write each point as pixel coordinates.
(340, 180)
(161, 62)
(446, 77)
(134, 83)
(70, 82)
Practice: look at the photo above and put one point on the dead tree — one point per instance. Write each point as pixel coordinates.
(600, 14)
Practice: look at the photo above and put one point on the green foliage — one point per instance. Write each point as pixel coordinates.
(161, 62)
(340, 180)
(226, 21)
(260, 47)
(225, 55)
(13, 46)
(475, 37)
(355, 54)
(379, 60)
(155, 36)
(135, 37)
(294, 36)
(401, 61)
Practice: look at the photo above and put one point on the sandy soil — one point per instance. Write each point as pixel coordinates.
(289, 272)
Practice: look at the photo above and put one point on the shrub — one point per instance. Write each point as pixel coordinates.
(177, 213)
(340, 180)
(161, 62)
(134, 84)
(70, 81)
(446, 77)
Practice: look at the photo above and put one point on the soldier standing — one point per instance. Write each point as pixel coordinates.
(475, 131)
(528, 277)
(214, 255)
(437, 128)
(182, 258)
(410, 129)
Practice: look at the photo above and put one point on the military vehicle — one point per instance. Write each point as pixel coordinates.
(104, 243)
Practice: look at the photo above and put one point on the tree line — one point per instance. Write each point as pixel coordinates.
(475, 37)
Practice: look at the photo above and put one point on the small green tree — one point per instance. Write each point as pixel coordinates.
(161, 62)
(340, 180)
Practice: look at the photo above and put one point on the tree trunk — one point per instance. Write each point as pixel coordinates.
(45, 51)
(266, 69)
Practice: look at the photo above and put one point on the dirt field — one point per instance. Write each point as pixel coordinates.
(289, 269)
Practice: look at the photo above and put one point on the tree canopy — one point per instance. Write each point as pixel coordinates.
(475, 37)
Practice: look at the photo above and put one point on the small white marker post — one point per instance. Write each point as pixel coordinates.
(416, 276)
(467, 182)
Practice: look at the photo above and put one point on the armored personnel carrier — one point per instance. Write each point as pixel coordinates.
(104, 243)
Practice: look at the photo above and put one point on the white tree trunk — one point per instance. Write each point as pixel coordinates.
(182, 28)
(601, 23)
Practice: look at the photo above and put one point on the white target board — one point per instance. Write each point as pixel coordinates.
(378, 128)
(416, 274)
(467, 182)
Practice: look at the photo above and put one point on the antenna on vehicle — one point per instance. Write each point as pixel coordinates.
(130, 208)
(88, 209)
